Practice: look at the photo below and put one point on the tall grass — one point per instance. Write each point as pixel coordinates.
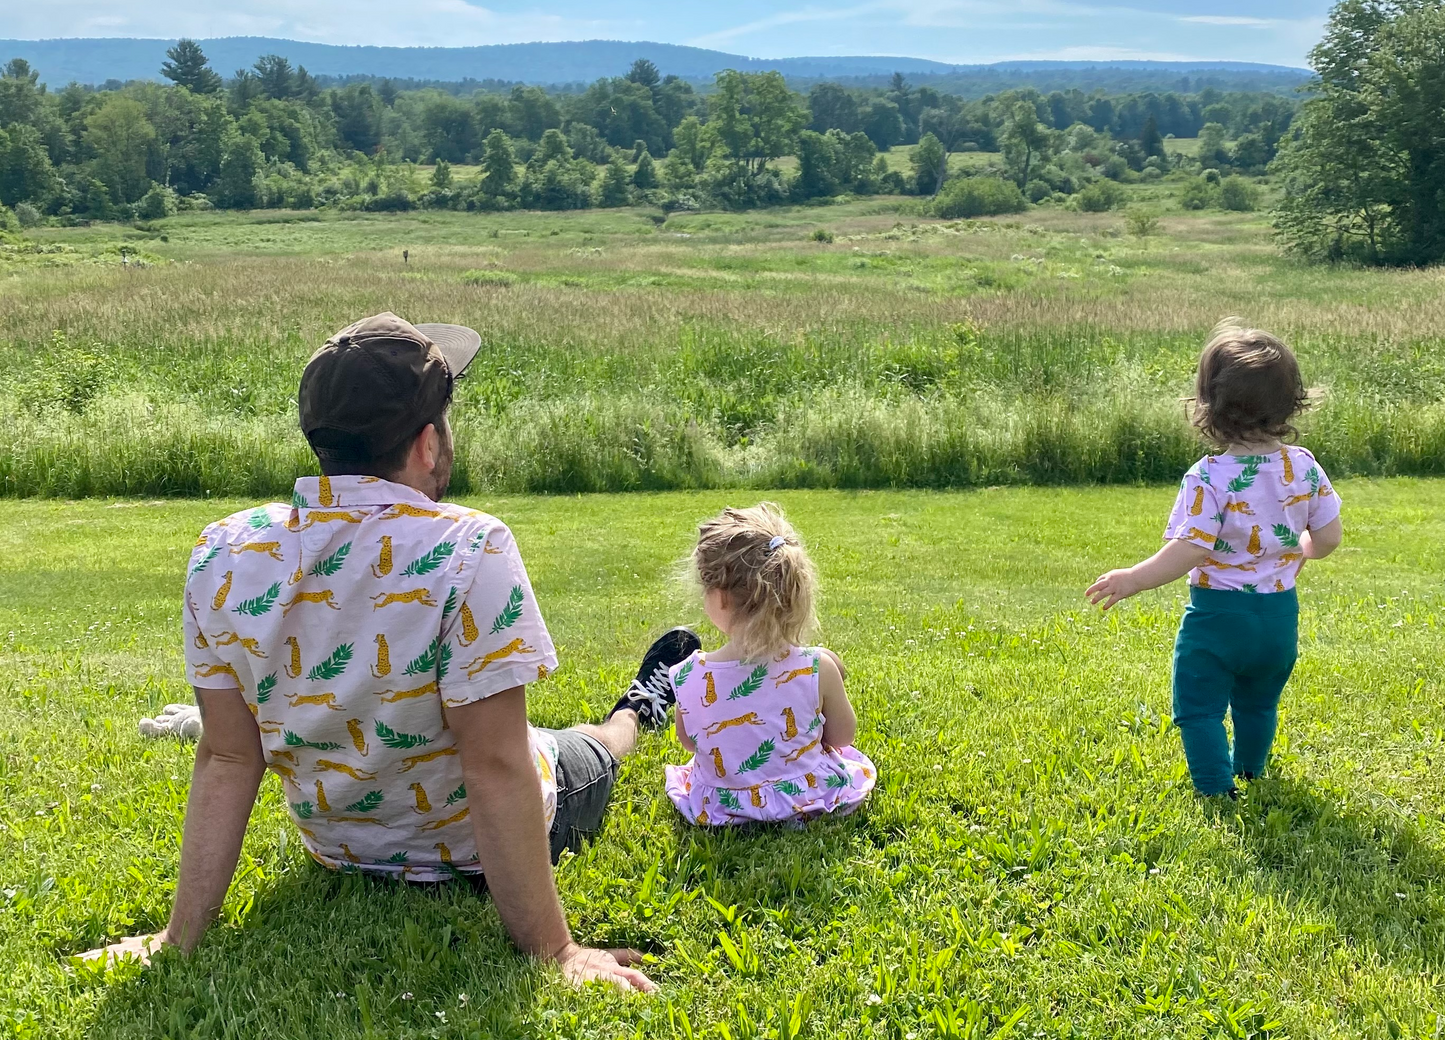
(931, 355)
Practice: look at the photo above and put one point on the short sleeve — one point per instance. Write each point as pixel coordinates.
(494, 626)
(1197, 516)
(201, 657)
(1325, 502)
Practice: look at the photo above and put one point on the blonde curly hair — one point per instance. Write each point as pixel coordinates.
(756, 557)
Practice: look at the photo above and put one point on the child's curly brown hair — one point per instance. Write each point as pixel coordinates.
(1249, 386)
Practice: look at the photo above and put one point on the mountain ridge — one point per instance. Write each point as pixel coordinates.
(96, 60)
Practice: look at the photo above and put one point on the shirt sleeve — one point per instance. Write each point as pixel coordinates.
(1325, 503)
(497, 637)
(1197, 516)
(201, 657)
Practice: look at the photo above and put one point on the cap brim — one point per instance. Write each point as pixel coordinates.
(458, 344)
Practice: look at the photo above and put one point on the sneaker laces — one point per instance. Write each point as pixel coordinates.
(654, 690)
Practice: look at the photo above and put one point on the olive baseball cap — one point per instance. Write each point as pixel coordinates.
(380, 381)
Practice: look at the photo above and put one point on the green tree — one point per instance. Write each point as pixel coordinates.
(441, 177)
(817, 162)
(1364, 174)
(25, 171)
(1212, 153)
(1150, 139)
(832, 108)
(499, 166)
(644, 73)
(275, 77)
(1026, 142)
(930, 165)
(186, 66)
(883, 123)
(645, 176)
(241, 160)
(120, 136)
(756, 117)
(614, 189)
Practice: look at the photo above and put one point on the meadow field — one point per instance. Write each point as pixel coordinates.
(1033, 863)
(852, 345)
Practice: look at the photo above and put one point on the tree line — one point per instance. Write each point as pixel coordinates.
(274, 136)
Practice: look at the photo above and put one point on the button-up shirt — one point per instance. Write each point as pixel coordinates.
(350, 620)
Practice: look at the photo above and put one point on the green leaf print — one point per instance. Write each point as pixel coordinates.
(425, 663)
(298, 501)
(259, 519)
(683, 673)
(817, 721)
(1313, 477)
(366, 803)
(292, 740)
(395, 857)
(333, 666)
(1245, 480)
(451, 603)
(1249, 588)
(393, 739)
(201, 563)
(788, 787)
(758, 758)
(1203, 477)
(1221, 546)
(329, 566)
(303, 809)
(457, 795)
(476, 542)
(1286, 535)
(1218, 518)
(429, 561)
(838, 780)
(750, 685)
(728, 799)
(511, 613)
(1251, 460)
(264, 688)
(261, 604)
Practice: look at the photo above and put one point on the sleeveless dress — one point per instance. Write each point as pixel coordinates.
(759, 734)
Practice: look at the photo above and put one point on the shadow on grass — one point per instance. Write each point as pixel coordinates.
(1373, 873)
(322, 954)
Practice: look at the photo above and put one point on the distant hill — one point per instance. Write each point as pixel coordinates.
(97, 61)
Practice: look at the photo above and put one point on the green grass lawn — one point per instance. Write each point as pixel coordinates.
(1033, 854)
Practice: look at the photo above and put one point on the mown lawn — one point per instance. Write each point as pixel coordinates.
(1033, 864)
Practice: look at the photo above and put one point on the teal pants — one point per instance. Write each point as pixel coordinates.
(1234, 653)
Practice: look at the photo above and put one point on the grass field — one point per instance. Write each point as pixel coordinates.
(1033, 863)
(708, 350)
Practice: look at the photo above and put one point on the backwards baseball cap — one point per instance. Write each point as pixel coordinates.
(379, 382)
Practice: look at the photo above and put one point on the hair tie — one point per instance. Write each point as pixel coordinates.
(776, 541)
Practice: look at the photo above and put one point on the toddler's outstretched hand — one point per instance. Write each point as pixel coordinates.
(1112, 587)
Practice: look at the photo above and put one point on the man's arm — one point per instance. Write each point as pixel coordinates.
(506, 812)
(228, 770)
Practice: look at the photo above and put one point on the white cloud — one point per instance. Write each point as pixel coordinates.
(1228, 19)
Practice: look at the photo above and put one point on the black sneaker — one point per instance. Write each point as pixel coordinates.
(651, 693)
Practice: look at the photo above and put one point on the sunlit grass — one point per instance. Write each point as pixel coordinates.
(1033, 850)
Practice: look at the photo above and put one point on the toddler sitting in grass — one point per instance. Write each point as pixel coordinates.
(767, 720)
(1243, 525)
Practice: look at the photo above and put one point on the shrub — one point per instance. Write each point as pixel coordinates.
(1238, 194)
(822, 235)
(1037, 191)
(1199, 193)
(27, 215)
(159, 202)
(978, 197)
(8, 220)
(1141, 222)
(1101, 196)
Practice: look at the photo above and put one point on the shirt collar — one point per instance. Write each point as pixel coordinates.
(344, 492)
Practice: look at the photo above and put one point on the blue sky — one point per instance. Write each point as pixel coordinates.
(1277, 31)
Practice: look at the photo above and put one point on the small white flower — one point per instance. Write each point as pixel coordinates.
(462, 999)
(1153, 870)
(406, 995)
(441, 1015)
(1399, 895)
(937, 768)
(874, 998)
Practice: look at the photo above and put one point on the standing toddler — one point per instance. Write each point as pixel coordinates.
(1245, 521)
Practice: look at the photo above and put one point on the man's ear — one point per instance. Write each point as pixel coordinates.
(426, 449)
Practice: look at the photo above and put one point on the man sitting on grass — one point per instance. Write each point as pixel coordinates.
(372, 647)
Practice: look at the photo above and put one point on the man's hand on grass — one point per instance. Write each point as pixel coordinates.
(137, 947)
(581, 965)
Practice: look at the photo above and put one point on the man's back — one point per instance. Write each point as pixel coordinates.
(350, 620)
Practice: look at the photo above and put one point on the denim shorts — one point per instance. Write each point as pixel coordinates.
(586, 772)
